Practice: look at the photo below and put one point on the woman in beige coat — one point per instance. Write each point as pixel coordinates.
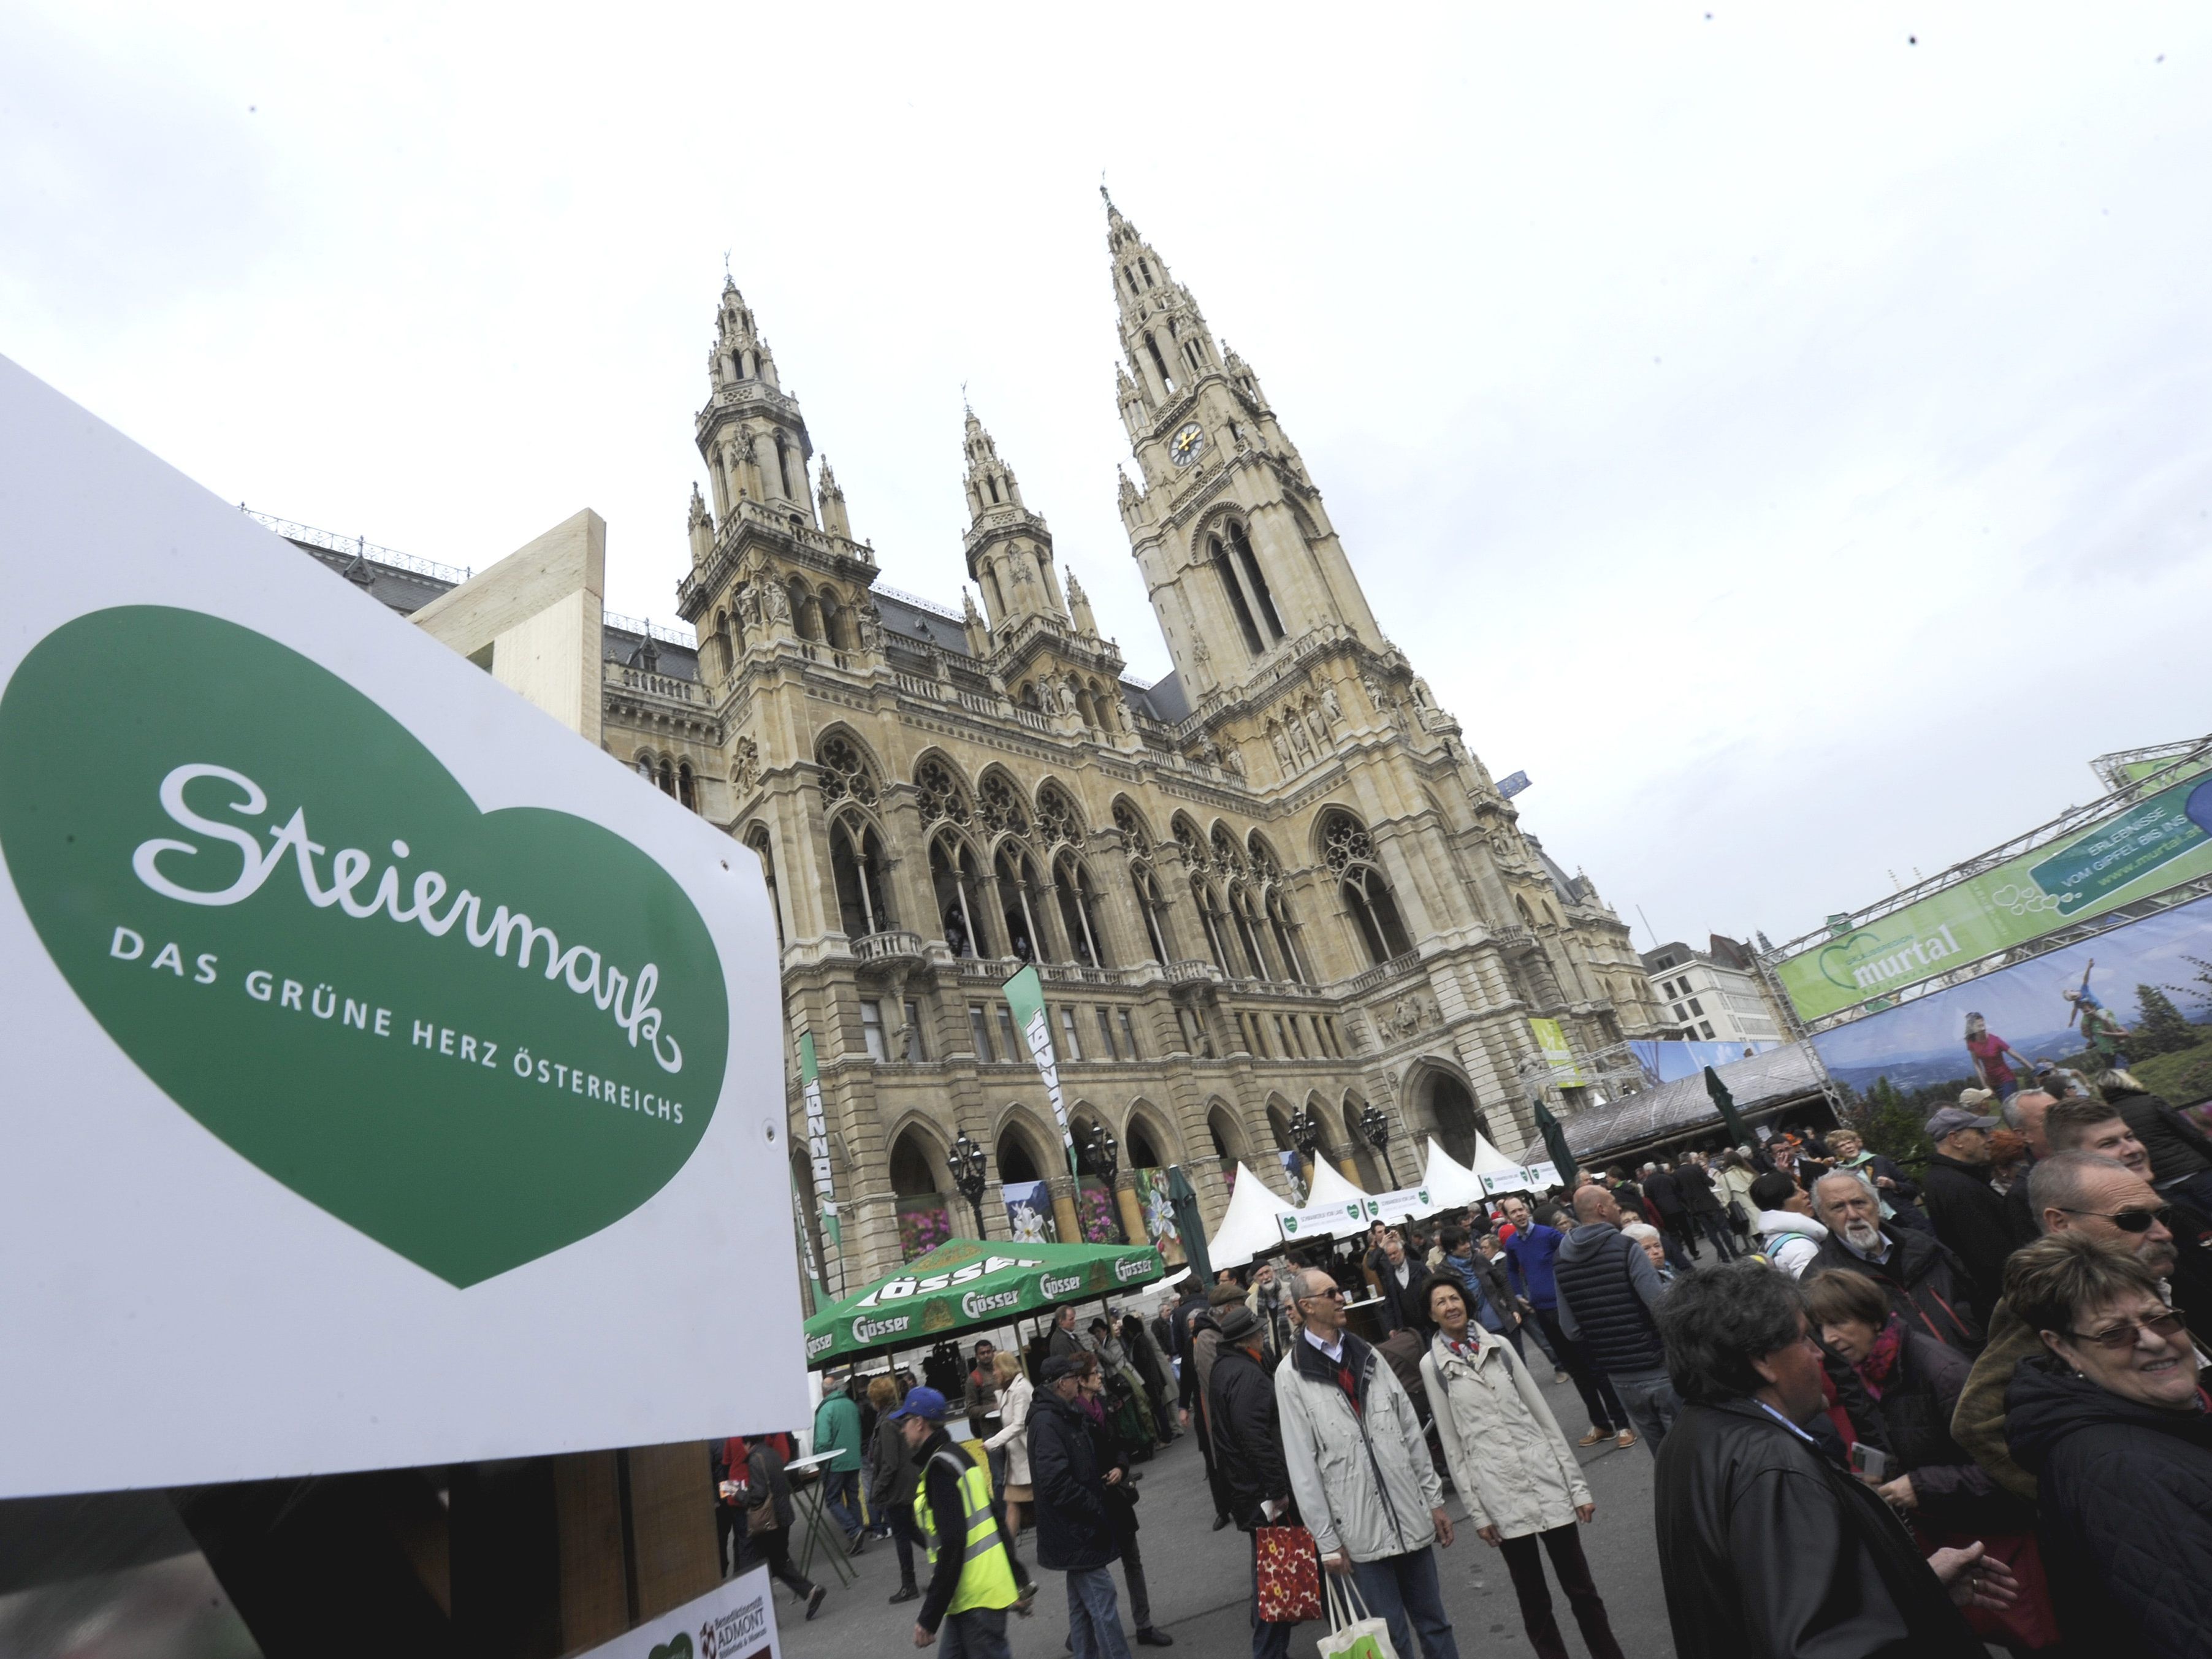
(1514, 1469)
(1013, 1436)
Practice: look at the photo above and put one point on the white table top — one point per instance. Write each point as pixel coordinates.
(813, 1461)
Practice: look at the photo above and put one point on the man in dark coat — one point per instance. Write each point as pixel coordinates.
(1664, 1198)
(1768, 1544)
(1704, 1204)
(1078, 1532)
(1608, 1290)
(1969, 1214)
(1241, 1401)
(2180, 1153)
(1925, 1281)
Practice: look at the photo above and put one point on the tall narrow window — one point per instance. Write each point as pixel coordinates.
(1230, 586)
(980, 1028)
(1007, 1040)
(1242, 549)
(1159, 362)
(1128, 1034)
(856, 868)
(1148, 906)
(871, 1029)
(916, 1049)
(1106, 1037)
(1071, 1042)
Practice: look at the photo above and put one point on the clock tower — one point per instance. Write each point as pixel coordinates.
(1242, 566)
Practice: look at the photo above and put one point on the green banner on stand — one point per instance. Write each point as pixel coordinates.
(1024, 995)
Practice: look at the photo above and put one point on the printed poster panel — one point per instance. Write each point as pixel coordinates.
(2157, 843)
(1328, 1220)
(1028, 1211)
(386, 1031)
(1559, 1053)
(1158, 1211)
(734, 1621)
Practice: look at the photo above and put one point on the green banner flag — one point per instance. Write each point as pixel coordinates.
(806, 1249)
(2157, 843)
(818, 1141)
(1024, 995)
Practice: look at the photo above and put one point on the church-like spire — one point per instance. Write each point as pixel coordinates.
(833, 504)
(991, 482)
(1009, 548)
(750, 432)
(1163, 334)
(701, 527)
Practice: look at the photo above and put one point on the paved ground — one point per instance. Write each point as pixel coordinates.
(1200, 1580)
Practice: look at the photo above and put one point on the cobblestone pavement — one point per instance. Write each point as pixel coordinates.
(1201, 1581)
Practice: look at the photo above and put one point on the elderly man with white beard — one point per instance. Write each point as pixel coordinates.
(1926, 1282)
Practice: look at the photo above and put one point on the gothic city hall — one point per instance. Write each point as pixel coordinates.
(1276, 883)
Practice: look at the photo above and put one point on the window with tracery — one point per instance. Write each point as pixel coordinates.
(1000, 806)
(1056, 818)
(1343, 841)
(845, 773)
(1134, 837)
(1368, 901)
(1153, 910)
(1079, 912)
(856, 866)
(953, 876)
(943, 799)
(1193, 844)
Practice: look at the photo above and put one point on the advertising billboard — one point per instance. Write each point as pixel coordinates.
(393, 1075)
(2158, 842)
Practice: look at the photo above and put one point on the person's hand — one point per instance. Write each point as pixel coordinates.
(924, 1638)
(1974, 1578)
(1113, 1477)
(1586, 1513)
(1444, 1527)
(1339, 1562)
(1898, 1493)
(1884, 1181)
(1182, 1417)
(1490, 1534)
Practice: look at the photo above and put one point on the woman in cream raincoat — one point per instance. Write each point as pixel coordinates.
(1514, 1469)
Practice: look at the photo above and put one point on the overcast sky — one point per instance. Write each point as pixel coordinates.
(1784, 436)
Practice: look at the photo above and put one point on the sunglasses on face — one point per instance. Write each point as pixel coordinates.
(2130, 1221)
(2120, 1338)
(1335, 1292)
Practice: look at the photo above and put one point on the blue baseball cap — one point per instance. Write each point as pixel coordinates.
(925, 1403)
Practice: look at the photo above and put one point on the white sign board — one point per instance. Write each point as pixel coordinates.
(1404, 1204)
(734, 1621)
(393, 1078)
(1524, 1178)
(1327, 1220)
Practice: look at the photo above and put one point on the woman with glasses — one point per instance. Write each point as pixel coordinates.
(2115, 1425)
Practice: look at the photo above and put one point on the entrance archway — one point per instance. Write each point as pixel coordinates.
(1452, 1109)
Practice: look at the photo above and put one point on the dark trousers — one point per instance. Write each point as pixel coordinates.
(774, 1548)
(1715, 1228)
(1214, 1478)
(906, 1538)
(729, 1536)
(1164, 1414)
(1566, 1550)
(1676, 1239)
(1598, 1398)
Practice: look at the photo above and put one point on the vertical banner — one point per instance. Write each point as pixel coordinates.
(1028, 1211)
(806, 1252)
(1024, 995)
(818, 1149)
(1157, 1204)
(1559, 1053)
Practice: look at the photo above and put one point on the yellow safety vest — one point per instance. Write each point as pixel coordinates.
(986, 1577)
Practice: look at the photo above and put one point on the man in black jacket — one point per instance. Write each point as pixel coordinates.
(1664, 1198)
(1696, 1185)
(2180, 1154)
(1077, 1533)
(1766, 1545)
(1925, 1281)
(1969, 1214)
(1608, 1292)
(1240, 1402)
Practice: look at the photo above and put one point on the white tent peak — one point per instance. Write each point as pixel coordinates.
(1450, 1182)
(1329, 1186)
(1247, 1225)
(1488, 1160)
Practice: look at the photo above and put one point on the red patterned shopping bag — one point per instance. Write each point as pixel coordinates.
(1288, 1573)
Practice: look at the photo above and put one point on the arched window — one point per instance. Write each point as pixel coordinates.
(686, 790)
(846, 774)
(1151, 908)
(925, 1220)
(944, 799)
(1135, 837)
(1057, 818)
(1215, 924)
(952, 875)
(666, 778)
(856, 862)
(1078, 908)
(1249, 597)
(1249, 926)
(999, 805)
(1016, 880)
(1367, 898)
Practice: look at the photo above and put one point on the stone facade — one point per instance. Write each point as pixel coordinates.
(1278, 880)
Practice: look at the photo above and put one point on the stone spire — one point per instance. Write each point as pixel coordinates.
(751, 432)
(1079, 609)
(991, 482)
(833, 519)
(702, 528)
(1165, 337)
(1009, 548)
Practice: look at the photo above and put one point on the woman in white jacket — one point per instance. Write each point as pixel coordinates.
(1013, 1436)
(1514, 1470)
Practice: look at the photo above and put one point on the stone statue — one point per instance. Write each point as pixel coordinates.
(1332, 709)
(1234, 760)
(778, 602)
(1282, 746)
(1299, 740)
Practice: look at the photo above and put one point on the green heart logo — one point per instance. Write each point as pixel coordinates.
(677, 1646)
(475, 1037)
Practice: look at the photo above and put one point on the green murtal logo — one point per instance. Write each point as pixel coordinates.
(477, 1037)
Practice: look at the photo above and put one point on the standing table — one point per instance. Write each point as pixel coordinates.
(814, 1523)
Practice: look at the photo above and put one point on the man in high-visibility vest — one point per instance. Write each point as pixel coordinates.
(971, 1575)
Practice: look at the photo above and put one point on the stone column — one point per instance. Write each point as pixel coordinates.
(1133, 1214)
(1063, 1216)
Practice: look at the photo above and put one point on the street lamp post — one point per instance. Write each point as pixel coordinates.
(1103, 1154)
(1305, 1135)
(968, 1163)
(1375, 1124)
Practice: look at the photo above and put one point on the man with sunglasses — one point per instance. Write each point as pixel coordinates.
(1380, 1508)
(2100, 1198)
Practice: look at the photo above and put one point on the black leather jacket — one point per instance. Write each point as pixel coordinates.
(1768, 1550)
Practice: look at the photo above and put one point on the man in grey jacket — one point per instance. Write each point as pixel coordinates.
(1360, 1470)
(1608, 1292)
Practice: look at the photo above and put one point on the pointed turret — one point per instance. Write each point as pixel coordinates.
(978, 631)
(1009, 548)
(751, 433)
(1079, 609)
(834, 519)
(1163, 334)
(702, 530)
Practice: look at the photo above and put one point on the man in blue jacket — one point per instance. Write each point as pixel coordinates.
(1530, 1257)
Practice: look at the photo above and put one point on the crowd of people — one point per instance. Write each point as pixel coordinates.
(1890, 1412)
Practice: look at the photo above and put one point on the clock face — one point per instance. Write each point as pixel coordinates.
(1188, 445)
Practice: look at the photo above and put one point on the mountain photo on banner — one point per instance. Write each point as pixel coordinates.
(1922, 1043)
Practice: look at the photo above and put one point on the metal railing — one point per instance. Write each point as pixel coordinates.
(674, 633)
(293, 531)
(887, 946)
(1384, 972)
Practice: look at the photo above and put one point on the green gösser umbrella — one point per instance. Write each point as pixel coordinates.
(966, 1285)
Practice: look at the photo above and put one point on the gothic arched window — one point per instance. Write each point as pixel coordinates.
(846, 774)
(1135, 837)
(687, 790)
(1017, 881)
(1367, 898)
(942, 798)
(1000, 806)
(1242, 911)
(1150, 907)
(953, 876)
(1057, 820)
(1078, 911)
(856, 862)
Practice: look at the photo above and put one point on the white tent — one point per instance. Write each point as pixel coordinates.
(1247, 1226)
(1450, 1182)
(1489, 1161)
(1329, 1186)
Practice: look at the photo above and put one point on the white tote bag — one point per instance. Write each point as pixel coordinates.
(1353, 1633)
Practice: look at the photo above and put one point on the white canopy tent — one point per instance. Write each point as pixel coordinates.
(1450, 1184)
(1329, 1186)
(1247, 1226)
(1489, 1161)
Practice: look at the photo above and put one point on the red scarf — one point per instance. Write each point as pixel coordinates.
(1874, 1370)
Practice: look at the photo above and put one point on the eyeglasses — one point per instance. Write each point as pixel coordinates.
(2120, 1338)
(2129, 1221)
(1334, 1291)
